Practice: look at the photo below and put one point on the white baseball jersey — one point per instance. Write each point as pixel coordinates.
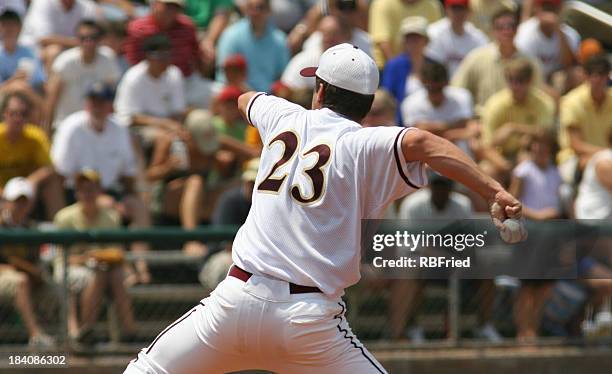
(320, 174)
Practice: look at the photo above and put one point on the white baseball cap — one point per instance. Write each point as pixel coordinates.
(346, 66)
(16, 188)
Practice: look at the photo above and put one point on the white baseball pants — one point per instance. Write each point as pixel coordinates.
(258, 325)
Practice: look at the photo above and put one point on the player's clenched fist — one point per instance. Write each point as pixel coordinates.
(506, 214)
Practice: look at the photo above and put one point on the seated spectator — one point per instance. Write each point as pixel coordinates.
(536, 182)
(386, 19)
(17, 61)
(93, 270)
(594, 199)
(588, 48)
(213, 17)
(92, 139)
(586, 116)
(76, 69)
(546, 38)
(482, 70)
(483, 12)
(51, 25)
(382, 112)
(231, 209)
(453, 37)
(334, 31)
(439, 109)
(114, 36)
(25, 153)
(438, 201)
(165, 18)
(180, 169)
(21, 277)
(351, 13)
(262, 44)
(235, 70)
(401, 76)
(515, 112)
(163, 108)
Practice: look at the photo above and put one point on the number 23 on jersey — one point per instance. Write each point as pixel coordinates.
(291, 141)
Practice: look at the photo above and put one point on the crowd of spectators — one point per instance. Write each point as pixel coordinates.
(120, 112)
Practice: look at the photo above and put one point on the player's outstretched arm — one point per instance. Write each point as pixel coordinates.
(448, 160)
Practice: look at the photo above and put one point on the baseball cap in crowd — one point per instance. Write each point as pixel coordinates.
(229, 93)
(18, 187)
(180, 3)
(250, 170)
(348, 67)
(588, 48)
(87, 174)
(551, 2)
(236, 61)
(156, 43)
(414, 25)
(101, 90)
(449, 3)
(204, 134)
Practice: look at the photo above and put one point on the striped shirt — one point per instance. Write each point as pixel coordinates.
(182, 35)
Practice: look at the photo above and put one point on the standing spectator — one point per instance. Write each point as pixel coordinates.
(382, 112)
(439, 109)
(482, 70)
(163, 106)
(516, 111)
(17, 61)
(51, 25)
(453, 37)
(333, 31)
(92, 139)
(93, 270)
(213, 17)
(386, 17)
(76, 69)
(260, 42)
(166, 18)
(180, 176)
(536, 182)
(546, 38)
(401, 76)
(594, 199)
(25, 153)
(20, 274)
(586, 114)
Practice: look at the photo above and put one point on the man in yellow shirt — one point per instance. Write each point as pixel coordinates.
(515, 112)
(482, 71)
(385, 19)
(25, 153)
(586, 113)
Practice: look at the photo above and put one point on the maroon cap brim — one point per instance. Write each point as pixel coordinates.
(308, 72)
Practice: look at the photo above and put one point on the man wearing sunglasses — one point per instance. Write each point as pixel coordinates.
(76, 69)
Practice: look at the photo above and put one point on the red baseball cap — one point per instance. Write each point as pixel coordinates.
(229, 93)
(465, 3)
(235, 61)
(551, 2)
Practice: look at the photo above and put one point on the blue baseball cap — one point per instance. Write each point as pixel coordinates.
(101, 90)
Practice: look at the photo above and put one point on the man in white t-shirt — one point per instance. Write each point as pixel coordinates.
(151, 94)
(92, 139)
(439, 108)
(334, 30)
(74, 70)
(453, 37)
(51, 25)
(547, 39)
(280, 307)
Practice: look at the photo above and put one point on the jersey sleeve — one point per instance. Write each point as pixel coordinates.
(381, 166)
(266, 113)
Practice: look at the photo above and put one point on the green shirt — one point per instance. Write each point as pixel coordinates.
(202, 11)
(236, 130)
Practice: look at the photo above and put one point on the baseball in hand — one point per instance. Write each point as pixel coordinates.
(513, 231)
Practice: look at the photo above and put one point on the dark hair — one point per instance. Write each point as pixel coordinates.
(91, 24)
(545, 135)
(10, 15)
(155, 43)
(115, 28)
(503, 12)
(347, 103)
(434, 72)
(597, 64)
(25, 100)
